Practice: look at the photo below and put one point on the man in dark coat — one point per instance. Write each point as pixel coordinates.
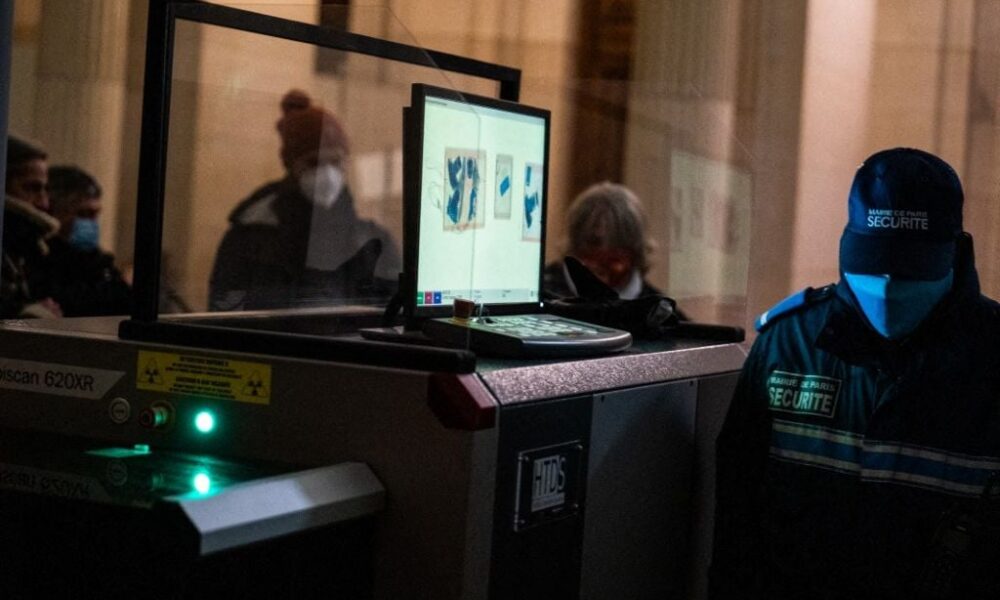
(860, 457)
(76, 273)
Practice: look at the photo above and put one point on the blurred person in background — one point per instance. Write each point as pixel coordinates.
(26, 227)
(76, 273)
(27, 173)
(298, 241)
(606, 225)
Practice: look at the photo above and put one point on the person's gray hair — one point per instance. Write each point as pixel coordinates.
(621, 211)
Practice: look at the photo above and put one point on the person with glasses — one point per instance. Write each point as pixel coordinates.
(26, 227)
(27, 173)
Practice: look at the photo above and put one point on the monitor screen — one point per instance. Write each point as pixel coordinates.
(479, 190)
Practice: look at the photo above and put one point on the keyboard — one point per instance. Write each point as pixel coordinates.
(532, 326)
(528, 336)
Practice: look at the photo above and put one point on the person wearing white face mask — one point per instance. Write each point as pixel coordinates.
(860, 457)
(298, 241)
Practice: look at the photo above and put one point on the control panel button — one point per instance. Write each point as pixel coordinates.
(119, 411)
(159, 415)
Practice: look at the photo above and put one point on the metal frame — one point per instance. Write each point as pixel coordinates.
(163, 15)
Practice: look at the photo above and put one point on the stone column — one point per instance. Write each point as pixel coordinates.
(981, 172)
(128, 156)
(682, 156)
(80, 91)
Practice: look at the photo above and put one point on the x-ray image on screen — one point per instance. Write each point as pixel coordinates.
(531, 226)
(466, 208)
(505, 185)
(464, 196)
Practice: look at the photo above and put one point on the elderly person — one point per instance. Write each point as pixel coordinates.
(607, 233)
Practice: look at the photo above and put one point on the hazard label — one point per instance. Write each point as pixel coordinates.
(204, 376)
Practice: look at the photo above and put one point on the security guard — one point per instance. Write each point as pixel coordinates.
(860, 457)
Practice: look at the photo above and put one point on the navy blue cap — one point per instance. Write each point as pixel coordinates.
(904, 216)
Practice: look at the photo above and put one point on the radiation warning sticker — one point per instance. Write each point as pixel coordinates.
(204, 376)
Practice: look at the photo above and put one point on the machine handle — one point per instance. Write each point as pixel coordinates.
(315, 347)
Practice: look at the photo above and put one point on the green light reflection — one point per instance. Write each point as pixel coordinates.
(202, 483)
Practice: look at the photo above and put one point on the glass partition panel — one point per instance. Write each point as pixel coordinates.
(284, 170)
(685, 104)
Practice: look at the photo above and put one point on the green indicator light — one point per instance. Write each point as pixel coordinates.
(202, 483)
(141, 448)
(204, 422)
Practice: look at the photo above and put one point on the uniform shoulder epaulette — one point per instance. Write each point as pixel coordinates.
(792, 304)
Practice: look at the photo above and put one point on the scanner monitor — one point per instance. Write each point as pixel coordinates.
(476, 171)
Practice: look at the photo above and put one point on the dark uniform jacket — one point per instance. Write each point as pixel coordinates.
(261, 262)
(850, 466)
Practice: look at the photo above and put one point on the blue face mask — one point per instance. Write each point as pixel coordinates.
(895, 307)
(84, 234)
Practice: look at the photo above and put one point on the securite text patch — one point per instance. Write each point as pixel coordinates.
(803, 394)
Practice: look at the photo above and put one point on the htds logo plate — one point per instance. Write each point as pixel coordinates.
(548, 483)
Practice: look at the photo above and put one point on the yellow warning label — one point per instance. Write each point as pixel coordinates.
(204, 376)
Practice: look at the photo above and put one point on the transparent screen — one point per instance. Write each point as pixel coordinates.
(284, 172)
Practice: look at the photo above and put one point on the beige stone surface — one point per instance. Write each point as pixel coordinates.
(793, 95)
